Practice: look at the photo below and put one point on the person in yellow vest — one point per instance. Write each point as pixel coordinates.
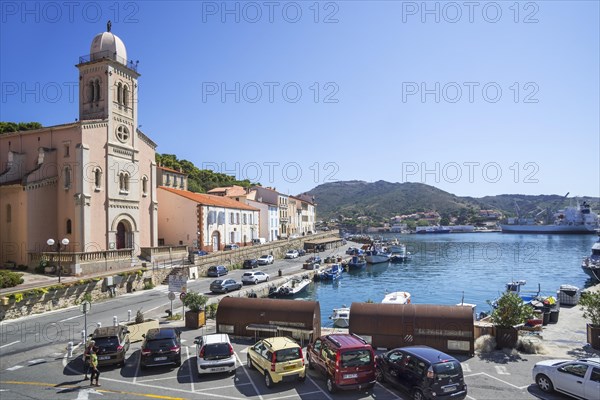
(86, 357)
(94, 366)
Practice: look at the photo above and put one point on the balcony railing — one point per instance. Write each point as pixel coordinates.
(110, 55)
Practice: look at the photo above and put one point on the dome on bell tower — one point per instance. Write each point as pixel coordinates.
(108, 45)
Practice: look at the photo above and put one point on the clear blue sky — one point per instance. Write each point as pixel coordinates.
(404, 93)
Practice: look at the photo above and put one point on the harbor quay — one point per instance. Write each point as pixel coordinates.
(35, 362)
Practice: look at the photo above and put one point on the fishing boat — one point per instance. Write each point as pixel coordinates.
(396, 298)
(332, 273)
(341, 317)
(591, 264)
(377, 256)
(579, 219)
(357, 262)
(290, 288)
(515, 287)
(433, 229)
(399, 253)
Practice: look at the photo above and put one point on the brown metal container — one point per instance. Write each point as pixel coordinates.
(242, 316)
(446, 328)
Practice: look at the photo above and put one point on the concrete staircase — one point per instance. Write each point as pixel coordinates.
(174, 271)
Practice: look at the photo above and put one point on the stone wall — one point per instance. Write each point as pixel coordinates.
(40, 300)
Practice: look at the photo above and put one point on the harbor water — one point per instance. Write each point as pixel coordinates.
(468, 267)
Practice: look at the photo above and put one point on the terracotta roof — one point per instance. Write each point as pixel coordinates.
(210, 200)
(171, 170)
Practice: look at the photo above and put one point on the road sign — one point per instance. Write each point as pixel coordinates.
(171, 296)
(177, 283)
(85, 307)
(182, 295)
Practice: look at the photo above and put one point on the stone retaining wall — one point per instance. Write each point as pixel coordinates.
(40, 300)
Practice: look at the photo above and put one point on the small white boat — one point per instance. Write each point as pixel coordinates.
(290, 288)
(341, 317)
(377, 256)
(396, 298)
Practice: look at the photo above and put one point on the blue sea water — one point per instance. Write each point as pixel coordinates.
(469, 267)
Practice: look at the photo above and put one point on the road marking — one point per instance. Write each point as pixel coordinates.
(159, 379)
(187, 352)
(68, 319)
(10, 344)
(37, 361)
(501, 370)
(223, 387)
(498, 379)
(16, 367)
(85, 394)
(248, 376)
(53, 385)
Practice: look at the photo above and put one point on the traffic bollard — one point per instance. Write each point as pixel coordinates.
(69, 349)
(98, 324)
(83, 335)
(128, 315)
(115, 321)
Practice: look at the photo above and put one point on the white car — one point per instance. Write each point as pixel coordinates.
(254, 277)
(265, 259)
(291, 254)
(576, 378)
(214, 354)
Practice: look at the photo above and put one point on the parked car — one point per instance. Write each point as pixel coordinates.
(314, 260)
(346, 361)
(265, 259)
(278, 359)
(214, 354)
(217, 270)
(301, 252)
(258, 241)
(224, 285)
(576, 378)
(250, 263)
(422, 371)
(291, 254)
(231, 247)
(111, 344)
(161, 346)
(197, 253)
(255, 277)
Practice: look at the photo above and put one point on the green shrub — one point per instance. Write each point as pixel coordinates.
(211, 310)
(590, 303)
(139, 316)
(10, 279)
(148, 285)
(195, 301)
(40, 267)
(510, 310)
(22, 267)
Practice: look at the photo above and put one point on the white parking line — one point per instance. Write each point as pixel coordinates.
(187, 352)
(10, 344)
(248, 376)
(158, 379)
(16, 367)
(68, 319)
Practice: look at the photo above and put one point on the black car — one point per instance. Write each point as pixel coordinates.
(250, 263)
(422, 371)
(111, 344)
(217, 270)
(224, 286)
(161, 346)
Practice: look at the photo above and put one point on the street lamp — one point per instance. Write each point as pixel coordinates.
(64, 242)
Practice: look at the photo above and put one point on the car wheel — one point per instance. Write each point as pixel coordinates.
(226, 290)
(249, 361)
(302, 378)
(417, 395)
(330, 385)
(256, 281)
(267, 280)
(268, 380)
(379, 375)
(544, 383)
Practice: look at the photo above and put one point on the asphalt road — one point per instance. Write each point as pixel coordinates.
(34, 362)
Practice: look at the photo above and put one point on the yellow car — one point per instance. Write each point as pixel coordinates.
(278, 359)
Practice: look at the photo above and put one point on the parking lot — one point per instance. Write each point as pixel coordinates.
(494, 376)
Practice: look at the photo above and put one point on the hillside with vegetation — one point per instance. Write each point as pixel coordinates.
(381, 200)
(8, 127)
(200, 180)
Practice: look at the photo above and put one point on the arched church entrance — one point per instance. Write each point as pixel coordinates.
(124, 239)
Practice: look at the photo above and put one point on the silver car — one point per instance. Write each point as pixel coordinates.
(214, 354)
(577, 378)
(254, 277)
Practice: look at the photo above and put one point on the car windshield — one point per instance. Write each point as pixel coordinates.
(292, 353)
(264, 256)
(162, 344)
(247, 274)
(447, 369)
(217, 282)
(356, 358)
(216, 350)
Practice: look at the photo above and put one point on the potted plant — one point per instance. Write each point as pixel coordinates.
(195, 317)
(590, 304)
(509, 311)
